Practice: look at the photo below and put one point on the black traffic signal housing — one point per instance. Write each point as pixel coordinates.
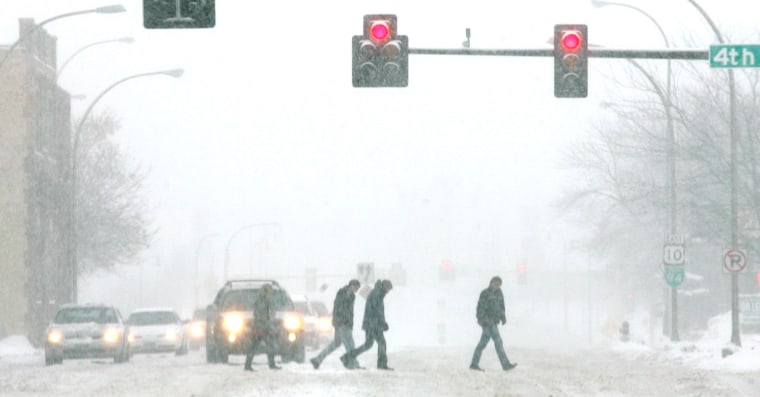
(570, 61)
(179, 14)
(380, 57)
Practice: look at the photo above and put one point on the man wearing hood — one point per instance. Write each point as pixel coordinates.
(374, 325)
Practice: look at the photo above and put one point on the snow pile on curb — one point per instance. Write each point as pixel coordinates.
(16, 345)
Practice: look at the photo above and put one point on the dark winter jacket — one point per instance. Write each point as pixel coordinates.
(374, 310)
(263, 315)
(491, 307)
(343, 308)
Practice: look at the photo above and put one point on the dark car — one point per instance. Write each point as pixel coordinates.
(230, 317)
(87, 330)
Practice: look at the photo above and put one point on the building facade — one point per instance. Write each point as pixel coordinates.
(35, 164)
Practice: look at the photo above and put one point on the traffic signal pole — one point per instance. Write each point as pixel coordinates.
(548, 52)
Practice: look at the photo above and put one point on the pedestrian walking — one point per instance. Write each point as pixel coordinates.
(343, 322)
(489, 313)
(374, 325)
(263, 329)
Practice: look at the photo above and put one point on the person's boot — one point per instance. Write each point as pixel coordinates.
(272, 365)
(315, 363)
(346, 361)
(510, 366)
(475, 367)
(385, 368)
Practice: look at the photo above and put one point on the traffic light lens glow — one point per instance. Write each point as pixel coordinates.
(571, 41)
(380, 31)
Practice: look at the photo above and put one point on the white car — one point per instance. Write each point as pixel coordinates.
(317, 320)
(86, 330)
(157, 330)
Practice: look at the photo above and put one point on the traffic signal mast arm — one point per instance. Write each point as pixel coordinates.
(548, 52)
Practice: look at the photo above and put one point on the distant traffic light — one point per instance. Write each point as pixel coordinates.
(522, 274)
(179, 14)
(380, 57)
(570, 61)
(446, 273)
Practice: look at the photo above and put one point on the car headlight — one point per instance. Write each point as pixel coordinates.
(171, 335)
(55, 336)
(233, 322)
(131, 337)
(324, 324)
(197, 330)
(292, 322)
(111, 335)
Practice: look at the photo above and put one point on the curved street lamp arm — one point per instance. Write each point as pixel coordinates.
(106, 9)
(229, 242)
(77, 52)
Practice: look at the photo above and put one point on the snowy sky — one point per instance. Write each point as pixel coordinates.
(265, 127)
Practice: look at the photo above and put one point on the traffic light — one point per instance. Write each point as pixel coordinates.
(179, 14)
(522, 274)
(380, 57)
(447, 271)
(570, 61)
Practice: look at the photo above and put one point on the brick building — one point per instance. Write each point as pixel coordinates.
(35, 158)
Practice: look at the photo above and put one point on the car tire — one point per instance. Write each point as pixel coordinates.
(182, 348)
(224, 355)
(211, 356)
(49, 359)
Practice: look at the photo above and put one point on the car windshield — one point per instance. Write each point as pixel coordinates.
(301, 307)
(153, 318)
(85, 315)
(320, 308)
(199, 315)
(244, 299)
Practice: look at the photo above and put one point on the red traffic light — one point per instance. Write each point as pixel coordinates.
(522, 268)
(380, 31)
(571, 40)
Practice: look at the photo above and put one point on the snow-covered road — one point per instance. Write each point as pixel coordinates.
(421, 371)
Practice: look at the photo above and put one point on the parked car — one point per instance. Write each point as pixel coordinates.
(318, 327)
(157, 330)
(87, 330)
(230, 318)
(197, 329)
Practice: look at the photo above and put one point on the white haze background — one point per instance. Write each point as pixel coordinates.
(463, 165)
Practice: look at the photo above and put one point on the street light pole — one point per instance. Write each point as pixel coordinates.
(176, 73)
(111, 9)
(671, 153)
(126, 40)
(735, 335)
(197, 253)
(227, 247)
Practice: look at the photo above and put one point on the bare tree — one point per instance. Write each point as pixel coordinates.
(112, 222)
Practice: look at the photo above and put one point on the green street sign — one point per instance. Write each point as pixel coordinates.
(674, 275)
(735, 56)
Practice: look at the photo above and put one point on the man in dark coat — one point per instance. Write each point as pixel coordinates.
(343, 322)
(263, 328)
(489, 313)
(374, 325)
